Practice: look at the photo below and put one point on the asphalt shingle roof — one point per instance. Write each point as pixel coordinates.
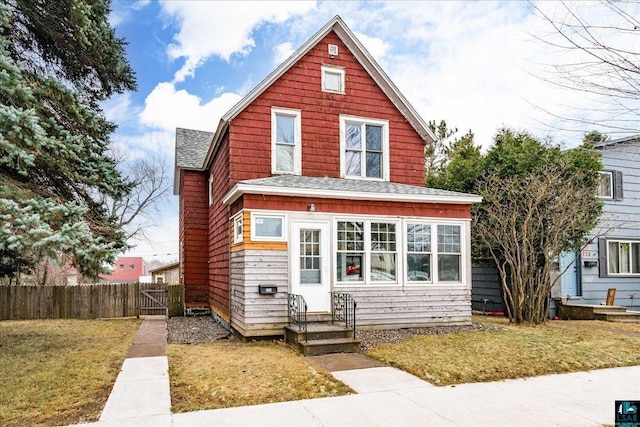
(192, 147)
(353, 185)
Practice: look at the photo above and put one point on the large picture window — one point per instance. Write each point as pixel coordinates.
(623, 257)
(364, 148)
(286, 142)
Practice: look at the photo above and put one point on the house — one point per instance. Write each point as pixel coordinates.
(125, 270)
(169, 274)
(611, 259)
(314, 183)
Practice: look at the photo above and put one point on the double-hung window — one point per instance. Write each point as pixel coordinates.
(433, 252)
(366, 252)
(364, 148)
(605, 190)
(449, 253)
(286, 135)
(419, 252)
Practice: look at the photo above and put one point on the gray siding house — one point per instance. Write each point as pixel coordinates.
(611, 259)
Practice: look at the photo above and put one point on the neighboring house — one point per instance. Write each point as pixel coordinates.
(612, 257)
(313, 183)
(125, 270)
(169, 274)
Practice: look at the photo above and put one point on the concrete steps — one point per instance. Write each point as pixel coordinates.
(322, 338)
(610, 313)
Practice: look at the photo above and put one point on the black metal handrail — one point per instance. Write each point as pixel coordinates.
(343, 309)
(297, 312)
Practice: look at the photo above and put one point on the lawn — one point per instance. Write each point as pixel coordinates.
(514, 351)
(57, 372)
(233, 373)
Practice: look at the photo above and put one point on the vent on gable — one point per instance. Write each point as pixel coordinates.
(333, 50)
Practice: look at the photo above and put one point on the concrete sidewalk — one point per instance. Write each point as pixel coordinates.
(386, 397)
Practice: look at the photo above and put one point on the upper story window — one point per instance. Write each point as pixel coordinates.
(333, 79)
(286, 141)
(605, 190)
(610, 185)
(210, 189)
(364, 148)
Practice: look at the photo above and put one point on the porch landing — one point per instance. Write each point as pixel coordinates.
(610, 313)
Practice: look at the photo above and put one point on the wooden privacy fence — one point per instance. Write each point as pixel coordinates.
(89, 301)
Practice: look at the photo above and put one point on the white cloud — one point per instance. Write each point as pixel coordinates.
(161, 142)
(221, 28)
(167, 108)
(118, 108)
(282, 52)
(376, 47)
(121, 11)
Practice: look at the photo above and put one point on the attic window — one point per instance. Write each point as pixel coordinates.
(333, 50)
(333, 79)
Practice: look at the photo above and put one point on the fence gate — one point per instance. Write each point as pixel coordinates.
(153, 299)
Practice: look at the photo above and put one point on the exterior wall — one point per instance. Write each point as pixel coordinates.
(380, 306)
(218, 234)
(193, 229)
(621, 220)
(300, 88)
(126, 270)
(169, 275)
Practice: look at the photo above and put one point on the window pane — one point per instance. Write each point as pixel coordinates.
(350, 256)
(606, 185)
(268, 227)
(613, 257)
(418, 238)
(449, 268)
(383, 237)
(383, 267)
(284, 158)
(635, 258)
(332, 81)
(449, 238)
(353, 139)
(374, 138)
(373, 165)
(349, 266)
(285, 126)
(352, 163)
(418, 268)
(624, 258)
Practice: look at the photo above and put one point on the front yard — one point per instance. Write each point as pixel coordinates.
(58, 372)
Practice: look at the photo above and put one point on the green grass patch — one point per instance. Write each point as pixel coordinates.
(232, 373)
(514, 351)
(56, 372)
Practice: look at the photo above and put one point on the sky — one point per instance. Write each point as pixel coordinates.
(479, 66)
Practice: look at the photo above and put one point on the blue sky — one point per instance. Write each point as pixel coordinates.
(476, 65)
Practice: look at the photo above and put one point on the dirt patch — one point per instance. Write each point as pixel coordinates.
(194, 330)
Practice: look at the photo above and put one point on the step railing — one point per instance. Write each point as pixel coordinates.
(297, 312)
(343, 309)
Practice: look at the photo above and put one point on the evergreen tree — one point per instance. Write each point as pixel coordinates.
(58, 60)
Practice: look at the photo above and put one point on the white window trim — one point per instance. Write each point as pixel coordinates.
(618, 241)
(297, 145)
(611, 185)
(210, 189)
(333, 70)
(385, 147)
(367, 252)
(283, 235)
(238, 219)
(434, 223)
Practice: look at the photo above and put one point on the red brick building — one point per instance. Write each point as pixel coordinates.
(313, 183)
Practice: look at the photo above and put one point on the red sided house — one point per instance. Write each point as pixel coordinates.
(313, 185)
(125, 270)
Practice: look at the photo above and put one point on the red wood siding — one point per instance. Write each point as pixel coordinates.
(299, 88)
(356, 207)
(218, 234)
(193, 237)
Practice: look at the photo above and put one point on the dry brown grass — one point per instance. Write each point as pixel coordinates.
(233, 373)
(515, 351)
(56, 372)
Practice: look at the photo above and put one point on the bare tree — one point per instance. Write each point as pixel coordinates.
(150, 185)
(525, 222)
(600, 47)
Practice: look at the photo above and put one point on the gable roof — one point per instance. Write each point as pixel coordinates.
(365, 59)
(191, 150)
(625, 140)
(351, 189)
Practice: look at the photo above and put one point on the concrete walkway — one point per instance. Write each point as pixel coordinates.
(386, 397)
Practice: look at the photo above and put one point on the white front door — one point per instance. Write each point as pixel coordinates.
(310, 264)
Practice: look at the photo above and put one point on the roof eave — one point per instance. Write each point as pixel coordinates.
(240, 189)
